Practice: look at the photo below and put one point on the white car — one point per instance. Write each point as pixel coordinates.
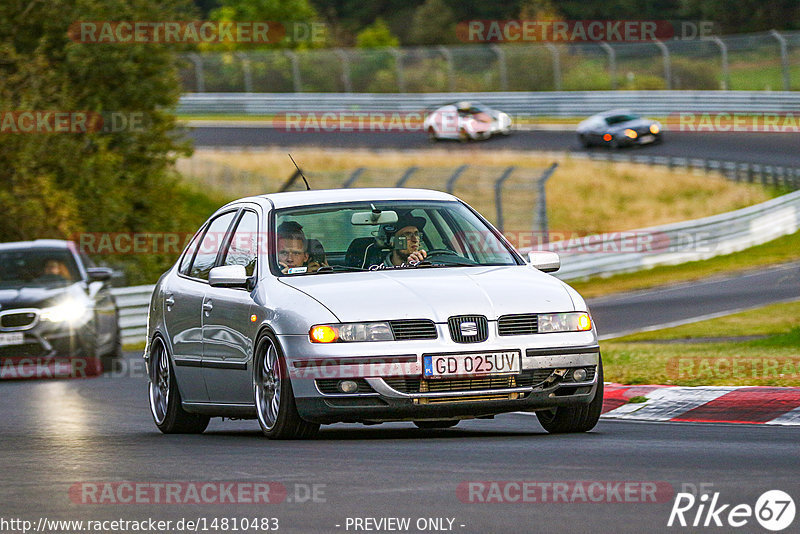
(466, 121)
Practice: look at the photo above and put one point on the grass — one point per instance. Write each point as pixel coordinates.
(781, 250)
(584, 197)
(771, 360)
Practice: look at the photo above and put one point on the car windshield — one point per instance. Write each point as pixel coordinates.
(42, 267)
(383, 235)
(617, 119)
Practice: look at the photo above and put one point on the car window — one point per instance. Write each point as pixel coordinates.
(37, 267)
(209, 246)
(616, 119)
(243, 248)
(186, 261)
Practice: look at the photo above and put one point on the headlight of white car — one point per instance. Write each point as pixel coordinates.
(350, 332)
(564, 322)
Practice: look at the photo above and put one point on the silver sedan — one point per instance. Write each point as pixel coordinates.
(365, 305)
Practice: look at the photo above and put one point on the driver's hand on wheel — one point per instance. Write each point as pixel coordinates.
(417, 256)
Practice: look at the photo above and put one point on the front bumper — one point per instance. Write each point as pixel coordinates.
(391, 387)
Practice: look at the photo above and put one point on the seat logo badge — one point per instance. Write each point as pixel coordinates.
(469, 328)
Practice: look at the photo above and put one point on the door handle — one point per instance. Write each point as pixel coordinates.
(169, 301)
(208, 306)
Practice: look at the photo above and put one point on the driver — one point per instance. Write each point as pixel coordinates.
(54, 267)
(295, 250)
(404, 237)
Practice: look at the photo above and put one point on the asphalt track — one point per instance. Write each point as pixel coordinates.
(59, 435)
(764, 148)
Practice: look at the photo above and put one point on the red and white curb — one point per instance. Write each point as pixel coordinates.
(704, 404)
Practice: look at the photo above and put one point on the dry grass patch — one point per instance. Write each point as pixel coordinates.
(584, 196)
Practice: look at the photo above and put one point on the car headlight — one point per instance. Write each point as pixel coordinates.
(564, 322)
(70, 311)
(350, 332)
(654, 129)
(631, 133)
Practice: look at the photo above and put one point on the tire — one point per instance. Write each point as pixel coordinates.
(432, 135)
(89, 353)
(614, 144)
(435, 424)
(576, 418)
(165, 399)
(463, 136)
(584, 141)
(273, 395)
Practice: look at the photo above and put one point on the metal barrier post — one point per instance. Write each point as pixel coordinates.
(398, 65)
(448, 56)
(498, 195)
(540, 217)
(501, 66)
(348, 85)
(248, 75)
(726, 75)
(556, 66)
(612, 64)
(199, 78)
(451, 182)
(296, 81)
(787, 83)
(667, 67)
(353, 177)
(406, 175)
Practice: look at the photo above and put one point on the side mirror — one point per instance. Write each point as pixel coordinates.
(99, 274)
(545, 261)
(228, 276)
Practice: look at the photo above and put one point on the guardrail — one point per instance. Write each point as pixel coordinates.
(519, 104)
(659, 245)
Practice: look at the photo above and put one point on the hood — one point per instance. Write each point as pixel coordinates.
(37, 297)
(435, 293)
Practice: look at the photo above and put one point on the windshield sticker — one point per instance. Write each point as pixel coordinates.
(297, 270)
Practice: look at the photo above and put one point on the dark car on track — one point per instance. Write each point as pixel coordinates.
(618, 128)
(57, 314)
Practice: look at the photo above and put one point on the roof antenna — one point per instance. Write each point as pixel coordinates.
(308, 187)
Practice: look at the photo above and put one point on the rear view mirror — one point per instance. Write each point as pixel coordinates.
(545, 261)
(362, 218)
(228, 276)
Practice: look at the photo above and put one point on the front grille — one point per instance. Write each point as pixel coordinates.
(413, 329)
(18, 320)
(518, 325)
(462, 325)
(329, 386)
(28, 350)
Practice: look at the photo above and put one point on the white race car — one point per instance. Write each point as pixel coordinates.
(466, 121)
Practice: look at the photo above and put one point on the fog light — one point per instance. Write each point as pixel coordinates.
(347, 386)
(579, 375)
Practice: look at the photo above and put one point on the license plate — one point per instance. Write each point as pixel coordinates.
(12, 338)
(647, 139)
(490, 363)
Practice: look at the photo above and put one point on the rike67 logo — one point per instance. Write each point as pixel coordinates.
(774, 510)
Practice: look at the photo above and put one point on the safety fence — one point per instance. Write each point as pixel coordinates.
(758, 61)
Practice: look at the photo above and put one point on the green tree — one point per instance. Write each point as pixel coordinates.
(296, 18)
(377, 34)
(56, 184)
(433, 23)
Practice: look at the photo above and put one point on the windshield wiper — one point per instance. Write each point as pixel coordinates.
(339, 268)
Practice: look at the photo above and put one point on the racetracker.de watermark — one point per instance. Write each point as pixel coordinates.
(196, 32)
(72, 122)
(567, 492)
(23, 367)
(356, 121)
(582, 31)
(731, 121)
(732, 367)
(196, 492)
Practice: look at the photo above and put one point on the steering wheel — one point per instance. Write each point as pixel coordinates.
(444, 252)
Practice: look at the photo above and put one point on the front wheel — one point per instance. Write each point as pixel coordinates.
(165, 399)
(274, 399)
(575, 418)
